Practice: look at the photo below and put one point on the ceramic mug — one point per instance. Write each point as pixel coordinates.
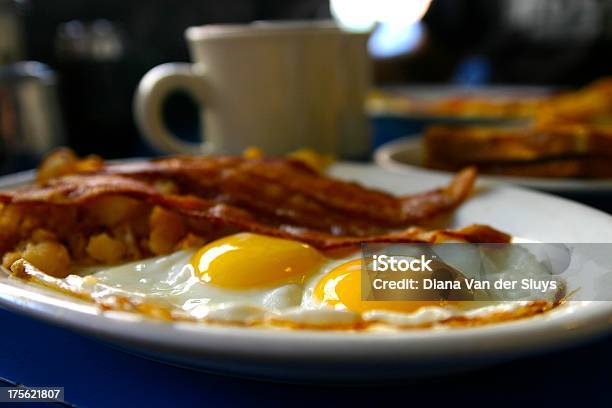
(279, 86)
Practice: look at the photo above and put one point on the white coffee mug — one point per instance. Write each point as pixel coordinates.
(279, 86)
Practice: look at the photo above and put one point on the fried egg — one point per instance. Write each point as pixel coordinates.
(248, 278)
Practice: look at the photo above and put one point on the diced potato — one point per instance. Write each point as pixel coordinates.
(57, 163)
(89, 164)
(50, 257)
(124, 233)
(10, 219)
(167, 229)
(110, 211)
(191, 241)
(106, 249)
(41, 235)
(9, 258)
(63, 161)
(317, 161)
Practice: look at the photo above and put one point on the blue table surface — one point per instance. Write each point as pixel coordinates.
(34, 353)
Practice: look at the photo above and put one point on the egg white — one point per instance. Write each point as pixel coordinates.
(171, 280)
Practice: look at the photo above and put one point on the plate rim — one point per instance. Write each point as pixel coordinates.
(535, 333)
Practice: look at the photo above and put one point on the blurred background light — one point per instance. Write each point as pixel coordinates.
(395, 23)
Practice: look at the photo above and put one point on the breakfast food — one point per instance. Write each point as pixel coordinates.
(551, 150)
(466, 106)
(570, 136)
(592, 104)
(266, 241)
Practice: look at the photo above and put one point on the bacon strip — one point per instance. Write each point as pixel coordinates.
(353, 199)
(288, 190)
(82, 188)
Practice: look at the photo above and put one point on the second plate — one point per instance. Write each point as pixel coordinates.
(406, 155)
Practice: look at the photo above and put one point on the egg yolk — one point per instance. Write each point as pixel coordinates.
(341, 290)
(246, 260)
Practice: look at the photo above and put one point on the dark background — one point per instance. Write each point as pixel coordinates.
(96, 94)
(558, 42)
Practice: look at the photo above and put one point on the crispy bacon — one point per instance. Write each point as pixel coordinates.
(277, 197)
(294, 192)
(286, 189)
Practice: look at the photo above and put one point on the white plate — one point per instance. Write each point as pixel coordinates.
(350, 357)
(406, 155)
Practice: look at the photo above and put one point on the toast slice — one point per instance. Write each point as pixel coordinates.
(468, 145)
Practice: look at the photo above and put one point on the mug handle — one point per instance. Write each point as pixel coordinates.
(152, 90)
